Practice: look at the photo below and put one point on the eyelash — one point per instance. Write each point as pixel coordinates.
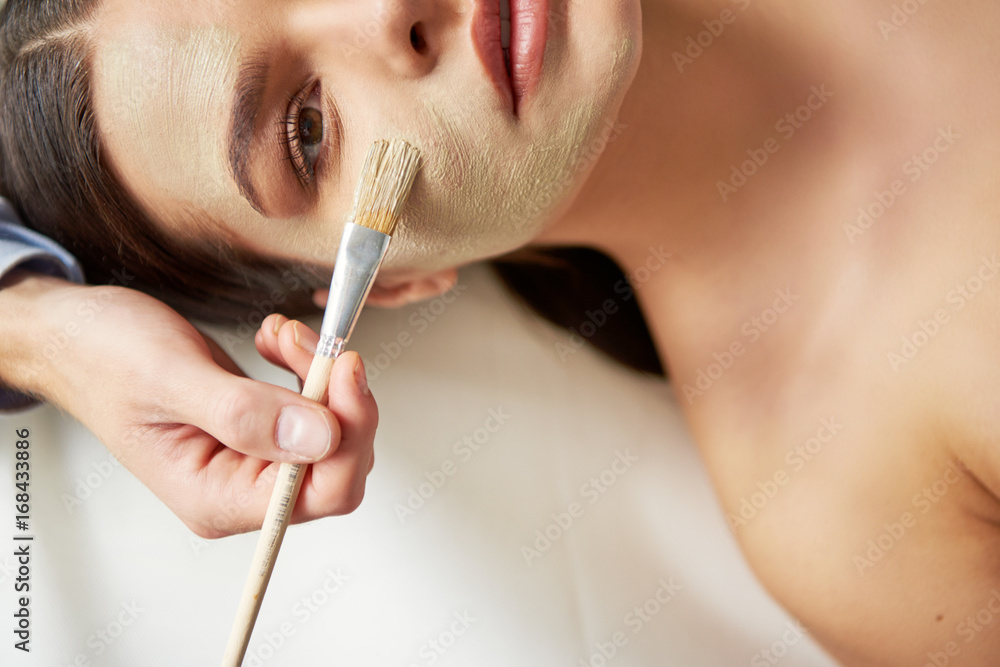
(290, 138)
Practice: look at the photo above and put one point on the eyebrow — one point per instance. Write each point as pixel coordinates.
(249, 94)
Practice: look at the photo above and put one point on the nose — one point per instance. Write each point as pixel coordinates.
(402, 36)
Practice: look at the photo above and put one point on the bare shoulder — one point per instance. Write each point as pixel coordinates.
(867, 504)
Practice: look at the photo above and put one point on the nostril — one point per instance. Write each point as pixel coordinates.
(417, 38)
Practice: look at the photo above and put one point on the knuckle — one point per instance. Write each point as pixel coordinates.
(269, 322)
(351, 500)
(367, 419)
(211, 512)
(207, 530)
(235, 415)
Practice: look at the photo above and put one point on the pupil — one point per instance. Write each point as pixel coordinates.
(310, 127)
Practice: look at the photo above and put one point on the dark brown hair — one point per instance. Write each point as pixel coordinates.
(54, 173)
(586, 292)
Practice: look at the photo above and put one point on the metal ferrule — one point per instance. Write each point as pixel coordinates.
(358, 259)
(331, 347)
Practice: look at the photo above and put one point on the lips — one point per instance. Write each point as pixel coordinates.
(528, 30)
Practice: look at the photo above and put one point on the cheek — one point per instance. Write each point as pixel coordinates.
(484, 191)
(489, 185)
(449, 153)
(459, 203)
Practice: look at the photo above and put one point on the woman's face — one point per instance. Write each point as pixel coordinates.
(253, 117)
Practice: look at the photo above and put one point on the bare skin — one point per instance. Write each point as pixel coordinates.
(838, 372)
(174, 409)
(783, 317)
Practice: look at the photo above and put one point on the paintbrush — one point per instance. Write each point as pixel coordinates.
(386, 179)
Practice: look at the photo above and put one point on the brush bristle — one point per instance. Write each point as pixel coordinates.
(386, 179)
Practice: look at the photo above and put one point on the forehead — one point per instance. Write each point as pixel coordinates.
(157, 76)
(115, 13)
(163, 94)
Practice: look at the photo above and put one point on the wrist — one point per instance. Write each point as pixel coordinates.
(25, 301)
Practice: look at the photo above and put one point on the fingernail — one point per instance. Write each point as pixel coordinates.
(361, 378)
(278, 321)
(300, 341)
(303, 431)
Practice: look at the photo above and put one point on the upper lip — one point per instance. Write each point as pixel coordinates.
(486, 37)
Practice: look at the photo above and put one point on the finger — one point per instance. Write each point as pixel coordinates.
(255, 418)
(336, 485)
(296, 347)
(224, 492)
(215, 491)
(266, 339)
(352, 402)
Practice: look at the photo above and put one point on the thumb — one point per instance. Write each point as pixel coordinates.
(257, 419)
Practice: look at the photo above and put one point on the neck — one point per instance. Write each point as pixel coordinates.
(695, 106)
(701, 101)
(786, 84)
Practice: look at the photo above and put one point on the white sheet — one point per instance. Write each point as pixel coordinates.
(117, 580)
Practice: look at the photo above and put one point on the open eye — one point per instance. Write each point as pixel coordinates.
(311, 128)
(304, 132)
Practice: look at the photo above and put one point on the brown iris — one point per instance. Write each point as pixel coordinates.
(310, 127)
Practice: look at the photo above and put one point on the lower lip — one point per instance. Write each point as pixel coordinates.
(529, 22)
(528, 30)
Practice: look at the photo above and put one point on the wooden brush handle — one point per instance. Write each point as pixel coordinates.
(279, 514)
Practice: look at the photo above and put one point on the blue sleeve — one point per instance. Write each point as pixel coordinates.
(24, 249)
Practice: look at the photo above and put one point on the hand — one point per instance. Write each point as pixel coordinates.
(178, 413)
